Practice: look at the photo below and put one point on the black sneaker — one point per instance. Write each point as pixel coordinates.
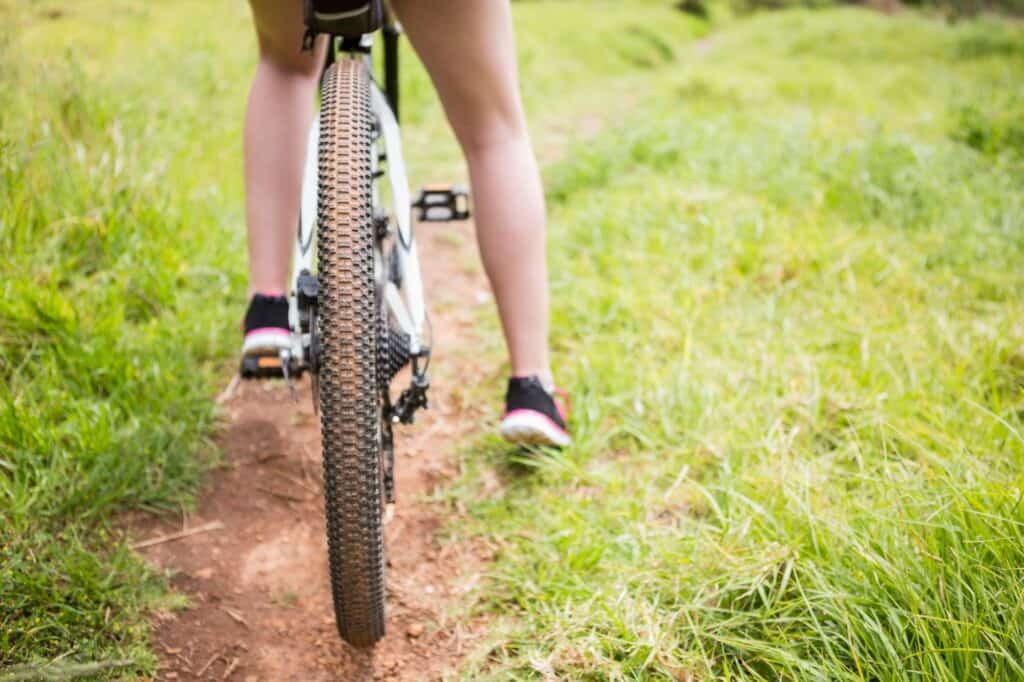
(266, 327)
(532, 415)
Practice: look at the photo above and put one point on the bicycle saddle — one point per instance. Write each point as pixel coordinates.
(345, 18)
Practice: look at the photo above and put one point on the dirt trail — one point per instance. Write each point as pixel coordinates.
(260, 600)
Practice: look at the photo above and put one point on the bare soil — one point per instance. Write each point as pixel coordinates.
(260, 603)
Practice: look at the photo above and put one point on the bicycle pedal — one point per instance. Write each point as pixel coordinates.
(266, 367)
(438, 204)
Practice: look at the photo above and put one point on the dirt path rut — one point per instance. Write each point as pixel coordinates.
(258, 586)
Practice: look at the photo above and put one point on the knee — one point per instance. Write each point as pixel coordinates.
(286, 58)
(491, 132)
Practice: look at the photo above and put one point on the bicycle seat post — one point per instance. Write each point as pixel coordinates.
(392, 32)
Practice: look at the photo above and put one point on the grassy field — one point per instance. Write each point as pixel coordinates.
(788, 301)
(123, 254)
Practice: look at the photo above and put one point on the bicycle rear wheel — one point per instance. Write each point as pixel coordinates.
(348, 331)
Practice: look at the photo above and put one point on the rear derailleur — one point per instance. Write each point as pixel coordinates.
(412, 398)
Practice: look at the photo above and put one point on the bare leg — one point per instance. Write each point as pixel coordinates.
(468, 47)
(280, 111)
(477, 80)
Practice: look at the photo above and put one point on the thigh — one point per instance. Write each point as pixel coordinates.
(279, 28)
(468, 48)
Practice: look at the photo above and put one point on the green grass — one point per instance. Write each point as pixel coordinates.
(123, 275)
(122, 247)
(788, 302)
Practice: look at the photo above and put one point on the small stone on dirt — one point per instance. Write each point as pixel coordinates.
(415, 630)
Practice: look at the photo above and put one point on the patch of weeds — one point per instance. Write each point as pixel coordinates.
(645, 48)
(785, 318)
(73, 593)
(987, 39)
(992, 130)
(286, 599)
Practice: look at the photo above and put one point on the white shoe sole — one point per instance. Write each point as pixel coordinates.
(524, 427)
(266, 341)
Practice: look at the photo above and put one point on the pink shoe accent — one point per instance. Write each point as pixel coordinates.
(538, 414)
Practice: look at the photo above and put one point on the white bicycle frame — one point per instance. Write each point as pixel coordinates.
(406, 305)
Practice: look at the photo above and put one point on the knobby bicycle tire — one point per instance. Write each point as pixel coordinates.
(348, 318)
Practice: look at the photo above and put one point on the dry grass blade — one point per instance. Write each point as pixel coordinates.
(205, 528)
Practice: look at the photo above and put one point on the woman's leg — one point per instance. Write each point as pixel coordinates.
(469, 50)
(280, 111)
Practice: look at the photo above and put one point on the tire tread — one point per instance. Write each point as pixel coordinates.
(348, 354)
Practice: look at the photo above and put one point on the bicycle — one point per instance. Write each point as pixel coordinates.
(357, 307)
